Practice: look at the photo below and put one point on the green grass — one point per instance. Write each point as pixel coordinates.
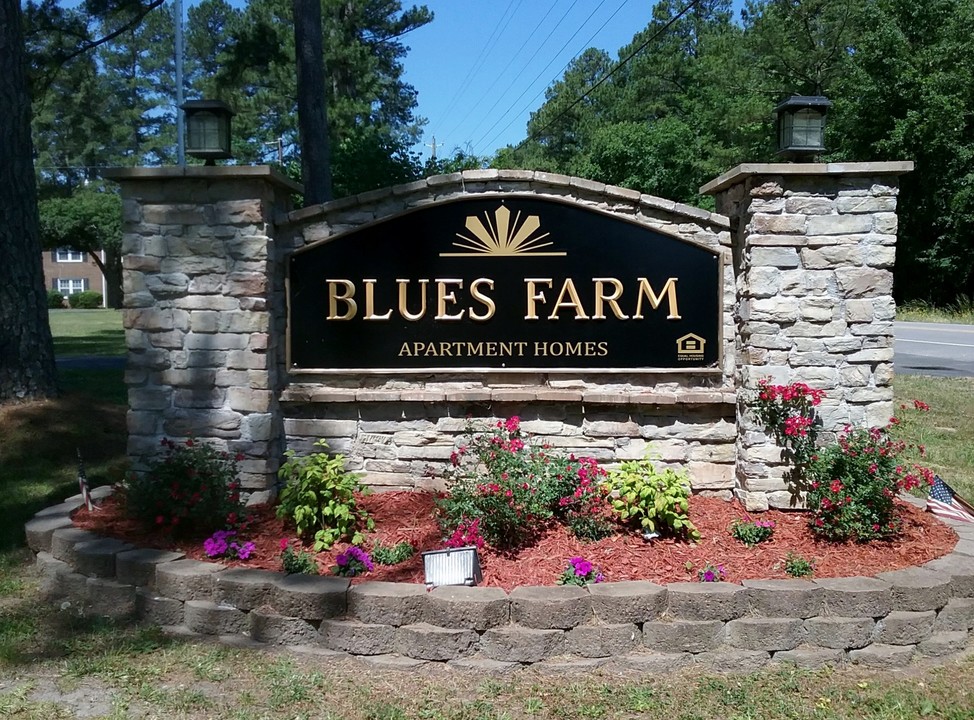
(87, 332)
(959, 311)
(946, 431)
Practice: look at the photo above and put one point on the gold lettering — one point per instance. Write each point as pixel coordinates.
(590, 349)
(446, 348)
(430, 350)
(443, 298)
(418, 348)
(646, 290)
(520, 347)
(573, 301)
(370, 303)
(484, 299)
(612, 300)
(403, 310)
(334, 297)
(404, 351)
(540, 348)
(603, 349)
(534, 295)
(477, 349)
(573, 348)
(491, 349)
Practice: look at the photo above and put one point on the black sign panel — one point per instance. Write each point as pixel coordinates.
(505, 282)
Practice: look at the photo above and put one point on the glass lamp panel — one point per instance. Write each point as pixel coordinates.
(807, 129)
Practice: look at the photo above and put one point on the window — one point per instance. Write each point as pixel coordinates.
(70, 286)
(66, 255)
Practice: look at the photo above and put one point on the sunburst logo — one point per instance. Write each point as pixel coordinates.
(503, 236)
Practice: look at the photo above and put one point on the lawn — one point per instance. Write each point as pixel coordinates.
(53, 661)
(87, 332)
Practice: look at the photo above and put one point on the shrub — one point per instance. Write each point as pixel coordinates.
(797, 566)
(296, 562)
(87, 300)
(385, 555)
(652, 500)
(467, 533)
(192, 491)
(513, 488)
(55, 299)
(855, 481)
(787, 411)
(751, 532)
(319, 496)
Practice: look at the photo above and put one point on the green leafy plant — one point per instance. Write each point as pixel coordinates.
(319, 496)
(854, 482)
(589, 527)
(296, 562)
(751, 532)
(513, 487)
(192, 491)
(797, 566)
(386, 555)
(86, 300)
(653, 500)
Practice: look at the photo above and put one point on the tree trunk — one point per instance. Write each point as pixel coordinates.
(27, 367)
(312, 117)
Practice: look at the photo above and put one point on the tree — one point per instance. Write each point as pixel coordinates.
(27, 367)
(89, 221)
(369, 107)
(312, 116)
(26, 349)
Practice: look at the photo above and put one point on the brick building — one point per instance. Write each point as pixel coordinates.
(70, 271)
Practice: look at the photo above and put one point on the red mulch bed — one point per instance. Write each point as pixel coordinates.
(408, 516)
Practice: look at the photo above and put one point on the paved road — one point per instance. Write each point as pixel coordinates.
(934, 349)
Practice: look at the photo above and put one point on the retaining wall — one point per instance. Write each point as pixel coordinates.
(881, 621)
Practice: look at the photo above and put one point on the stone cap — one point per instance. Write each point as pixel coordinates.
(203, 172)
(742, 172)
(512, 181)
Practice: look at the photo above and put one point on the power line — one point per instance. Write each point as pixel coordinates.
(611, 72)
(543, 71)
(502, 73)
(476, 65)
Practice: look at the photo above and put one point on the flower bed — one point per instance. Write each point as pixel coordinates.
(408, 517)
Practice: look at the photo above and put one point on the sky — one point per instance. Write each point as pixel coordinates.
(481, 67)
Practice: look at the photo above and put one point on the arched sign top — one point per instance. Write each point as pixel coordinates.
(503, 282)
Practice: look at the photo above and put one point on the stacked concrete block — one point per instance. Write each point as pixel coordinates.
(814, 247)
(881, 621)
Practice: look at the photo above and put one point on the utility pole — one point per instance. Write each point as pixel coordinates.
(432, 146)
(180, 124)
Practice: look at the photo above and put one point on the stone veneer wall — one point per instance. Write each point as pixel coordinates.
(806, 253)
(881, 621)
(814, 247)
(204, 311)
(400, 430)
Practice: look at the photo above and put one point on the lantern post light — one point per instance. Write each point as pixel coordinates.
(208, 129)
(801, 126)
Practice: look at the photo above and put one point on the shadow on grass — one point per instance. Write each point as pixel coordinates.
(97, 342)
(39, 444)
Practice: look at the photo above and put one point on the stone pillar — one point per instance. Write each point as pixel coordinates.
(814, 246)
(203, 286)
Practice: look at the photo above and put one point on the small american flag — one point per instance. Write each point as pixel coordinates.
(943, 501)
